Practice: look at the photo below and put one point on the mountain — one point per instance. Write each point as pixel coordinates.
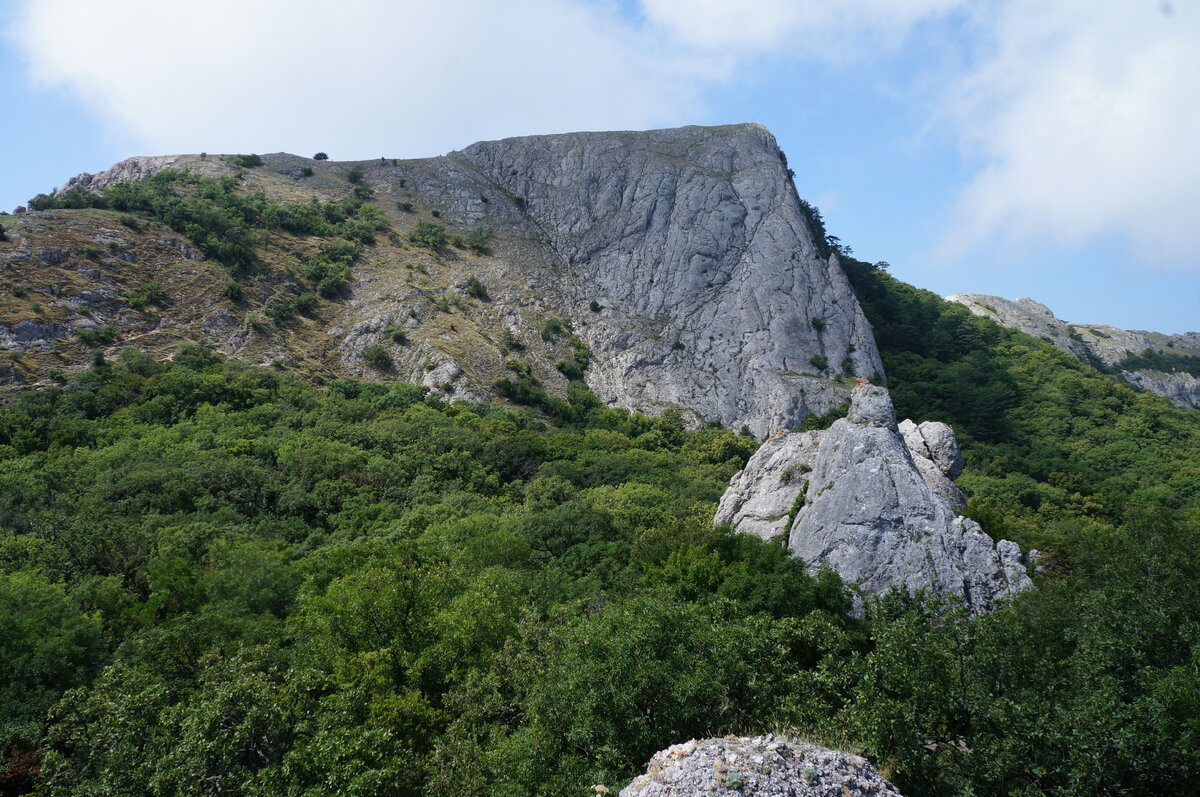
(1167, 365)
(671, 268)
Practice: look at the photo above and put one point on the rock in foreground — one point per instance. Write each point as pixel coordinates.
(757, 767)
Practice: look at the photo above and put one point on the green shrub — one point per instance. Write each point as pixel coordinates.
(431, 236)
(148, 293)
(377, 357)
(129, 221)
(232, 291)
(246, 161)
(363, 192)
(595, 306)
(4, 234)
(355, 175)
(407, 207)
(553, 327)
(478, 240)
(818, 324)
(397, 334)
(819, 362)
(257, 320)
(92, 252)
(477, 289)
(20, 291)
(320, 156)
(306, 171)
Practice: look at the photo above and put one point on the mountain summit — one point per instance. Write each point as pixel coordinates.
(679, 259)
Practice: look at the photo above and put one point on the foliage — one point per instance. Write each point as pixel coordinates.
(320, 156)
(377, 357)
(479, 240)
(246, 161)
(355, 175)
(147, 293)
(430, 235)
(225, 224)
(477, 289)
(1161, 361)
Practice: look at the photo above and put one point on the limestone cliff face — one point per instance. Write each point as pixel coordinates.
(680, 257)
(693, 242)
(875, 501)
(1097, 343)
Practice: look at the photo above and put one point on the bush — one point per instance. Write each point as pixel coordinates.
(363, 192)
(819, 362)
(478, 240)
(407, 207)
(4, 234)
(595, 306)
(320, 156)
(377, 357)
(477, 289)
(129, 221)
(149, 293)
(232, 291)
(92, 252)
(306, 171)
(246, 161)
(553, 327)
(355, 175)
(430, 235)
(397, 334)
(257, 320)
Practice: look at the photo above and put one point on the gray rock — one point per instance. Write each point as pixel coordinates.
(1099, 344)
(128, 170)
(871, 517)
(693, 241)
(935, 452)
(761, 766)
(761, 495)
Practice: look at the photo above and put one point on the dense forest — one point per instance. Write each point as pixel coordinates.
(219, 579)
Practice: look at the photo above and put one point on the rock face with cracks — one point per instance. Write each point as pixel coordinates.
(693, 242)
(762, 766)
(869, 515)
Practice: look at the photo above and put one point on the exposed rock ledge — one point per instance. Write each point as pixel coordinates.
(757, 767)
(874, 500)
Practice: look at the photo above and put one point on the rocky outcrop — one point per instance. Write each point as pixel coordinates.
(1179, 387)
(869, 515)
(762, 766)
(763, 497)
(692, 241)
(935, 452)
(128, 170)
(1102, 345)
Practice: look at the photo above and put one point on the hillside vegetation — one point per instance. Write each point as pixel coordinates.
(217, 578)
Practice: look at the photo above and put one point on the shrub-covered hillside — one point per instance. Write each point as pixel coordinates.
(218, 579)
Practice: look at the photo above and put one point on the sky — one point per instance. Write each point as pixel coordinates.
(1043, 148)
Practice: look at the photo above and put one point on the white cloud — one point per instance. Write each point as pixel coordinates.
(360, 78)
(1085, 120)
(841, 30)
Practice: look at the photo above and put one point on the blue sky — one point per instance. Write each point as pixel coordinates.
(1012, 147)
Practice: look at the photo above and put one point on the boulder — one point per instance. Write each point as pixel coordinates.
(761, 766)
(870, 516)
(761, 496)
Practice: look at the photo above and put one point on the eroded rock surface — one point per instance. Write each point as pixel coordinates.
(693, 242)
(871, 517)
(761, 766)
(761, 497)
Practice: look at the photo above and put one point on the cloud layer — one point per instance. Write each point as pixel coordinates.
(1084, 123)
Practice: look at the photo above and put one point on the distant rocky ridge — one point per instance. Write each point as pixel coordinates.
(760, 766)
(1101, 344)
(875, 501)
(681, 256)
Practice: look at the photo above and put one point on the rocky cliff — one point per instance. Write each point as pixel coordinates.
(679, 257)
(761, 766)
(855, 498)
(1105, 346)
